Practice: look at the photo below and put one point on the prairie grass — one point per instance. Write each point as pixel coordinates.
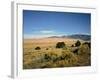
(48, 56)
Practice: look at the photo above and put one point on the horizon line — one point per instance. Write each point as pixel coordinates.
(47, 36)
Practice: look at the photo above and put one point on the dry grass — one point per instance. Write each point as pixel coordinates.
(57, 57)
(45, 42)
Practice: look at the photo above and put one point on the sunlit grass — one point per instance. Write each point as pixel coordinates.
(48, 56)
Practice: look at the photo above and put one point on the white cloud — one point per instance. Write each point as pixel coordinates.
(47, 31)
(41, 34)
(36, 36)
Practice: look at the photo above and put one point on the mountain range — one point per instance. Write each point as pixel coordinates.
(74, 36)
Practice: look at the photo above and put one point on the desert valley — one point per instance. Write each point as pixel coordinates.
(53, 52)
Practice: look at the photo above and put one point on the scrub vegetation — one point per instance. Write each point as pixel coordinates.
(52, 53)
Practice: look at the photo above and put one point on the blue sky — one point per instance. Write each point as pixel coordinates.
(38, 24)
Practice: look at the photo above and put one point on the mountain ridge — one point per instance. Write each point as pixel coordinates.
(74, 36)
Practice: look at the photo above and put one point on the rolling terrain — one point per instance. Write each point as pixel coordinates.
(43, 52)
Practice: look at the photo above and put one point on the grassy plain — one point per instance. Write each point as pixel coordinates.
(48, 56)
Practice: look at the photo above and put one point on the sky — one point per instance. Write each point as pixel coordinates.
(38, 24)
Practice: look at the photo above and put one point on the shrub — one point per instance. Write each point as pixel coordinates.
(67, 58)
(73, 61)
(88, 43)
(53, 56)
(66, 55)
(47, 57)
(84, 50)
(60, 45)
(78, 43)
(37, 48)
(72, 46)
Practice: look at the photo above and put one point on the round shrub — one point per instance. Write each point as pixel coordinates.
(60, 45)
(78, 43)
(87, 43)
(37, 48)
(84, 49)
(72, 45)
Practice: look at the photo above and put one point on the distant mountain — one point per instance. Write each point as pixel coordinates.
(74, 36)
(80, 36)
(54, 37)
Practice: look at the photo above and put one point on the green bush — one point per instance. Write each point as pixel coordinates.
(51, 56)
(47, 57)
(78, 43)
(60, 45)
(72, 45)
(37, 48)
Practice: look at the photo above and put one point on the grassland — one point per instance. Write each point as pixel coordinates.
(48, 56)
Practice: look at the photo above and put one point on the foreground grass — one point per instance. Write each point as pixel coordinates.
(51, 57)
